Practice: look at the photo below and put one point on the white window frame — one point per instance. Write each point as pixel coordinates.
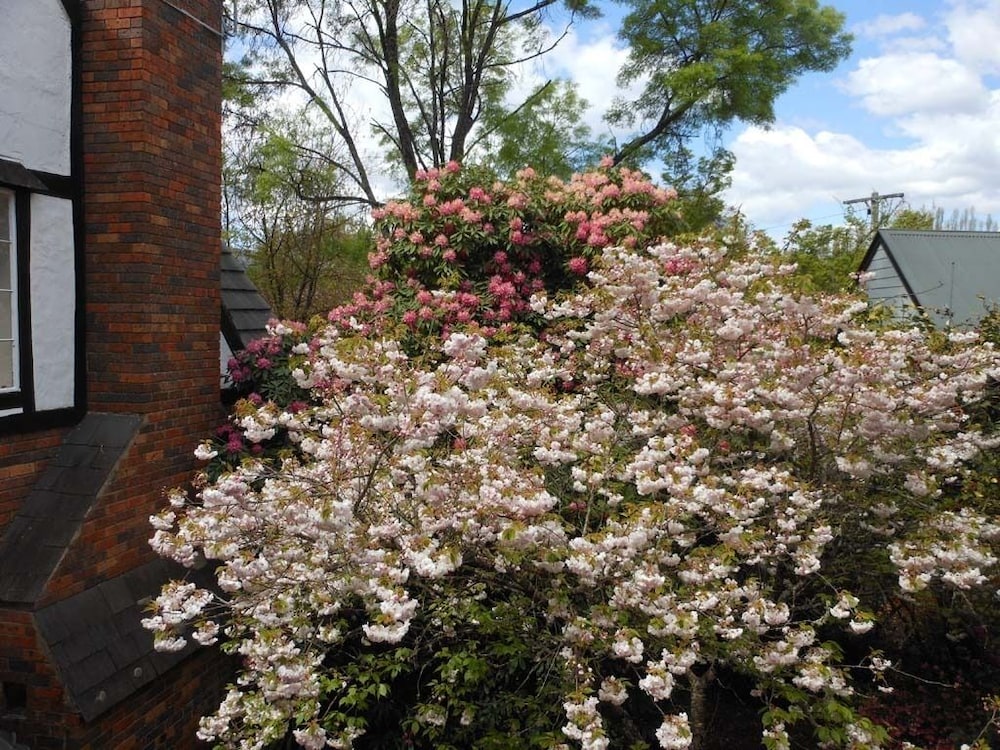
(11, 240)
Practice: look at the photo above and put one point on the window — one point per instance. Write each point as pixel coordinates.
(8, 294)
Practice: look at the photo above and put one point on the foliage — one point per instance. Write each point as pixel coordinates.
(699, 183)
(966, 220)
(434, 78)
(436, 69)
(305, 254)
(466, 248)
(704, 64)
(910, 218)
(828, 257)
(488, 537)
(547, 132)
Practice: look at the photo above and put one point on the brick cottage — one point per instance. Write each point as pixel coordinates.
(109, 356)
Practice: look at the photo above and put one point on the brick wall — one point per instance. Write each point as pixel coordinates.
(162, 715)
(150, 118)
(152, 167)
(22, 460)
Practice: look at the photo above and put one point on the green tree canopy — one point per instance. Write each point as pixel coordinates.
(703, 64)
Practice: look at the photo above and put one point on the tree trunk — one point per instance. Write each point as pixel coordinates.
(698, 715)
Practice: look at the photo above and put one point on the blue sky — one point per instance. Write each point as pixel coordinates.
(915, 109)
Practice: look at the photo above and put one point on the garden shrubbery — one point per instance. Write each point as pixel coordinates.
(552, 473)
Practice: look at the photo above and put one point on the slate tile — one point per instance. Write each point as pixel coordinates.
(126, 650)
(75, 480)
(163, 661)
(59, 532)
(72, 455)
(146, 580)
(49, 504)
(53, 626)
(105, 458)
(129, 621)
(116, 594)
(83, 433)
(79, 646)
(93, 670)
(25, 563)
(115, 430)
(88, 609)
(99, 698)
(141, 673)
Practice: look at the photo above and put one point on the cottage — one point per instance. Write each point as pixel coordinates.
(950, 277)
(109, 356)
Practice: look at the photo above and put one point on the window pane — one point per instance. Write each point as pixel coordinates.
(6, 204)
(7, 301)
(6, 318)
(4, 265)
(6, 364)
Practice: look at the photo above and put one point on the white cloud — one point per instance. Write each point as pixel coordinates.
(593, 64)
(784, 173)
(931, 95)
(899, 84)
(973, 31)
(885, 25)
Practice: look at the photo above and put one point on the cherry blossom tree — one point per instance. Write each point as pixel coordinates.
(557, 534)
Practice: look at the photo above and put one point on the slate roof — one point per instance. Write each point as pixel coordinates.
(245, 312)
(95, 637)
(97, 641)
(946, 274)
(51, 516)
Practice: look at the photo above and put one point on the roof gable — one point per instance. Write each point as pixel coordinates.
(245, 313)
(947, 274)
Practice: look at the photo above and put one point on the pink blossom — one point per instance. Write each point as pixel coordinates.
(518, 201)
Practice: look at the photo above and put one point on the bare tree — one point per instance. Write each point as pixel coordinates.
(426, 69)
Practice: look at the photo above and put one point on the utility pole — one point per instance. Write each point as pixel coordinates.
(873, 202)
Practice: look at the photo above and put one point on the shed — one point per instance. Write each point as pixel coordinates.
(951, 277)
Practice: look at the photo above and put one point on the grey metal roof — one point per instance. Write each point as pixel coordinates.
(947, 274)
(245, 312)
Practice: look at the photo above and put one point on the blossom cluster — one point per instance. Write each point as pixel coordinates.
(483, 251)
(664, 476)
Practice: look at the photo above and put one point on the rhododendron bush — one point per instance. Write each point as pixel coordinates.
(558, 536)
(457, 251)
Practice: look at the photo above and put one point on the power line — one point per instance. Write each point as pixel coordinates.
(874, 201)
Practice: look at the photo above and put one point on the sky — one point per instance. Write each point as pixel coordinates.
(914, 110)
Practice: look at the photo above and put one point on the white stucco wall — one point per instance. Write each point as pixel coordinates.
(35, 84)
(53, 301)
